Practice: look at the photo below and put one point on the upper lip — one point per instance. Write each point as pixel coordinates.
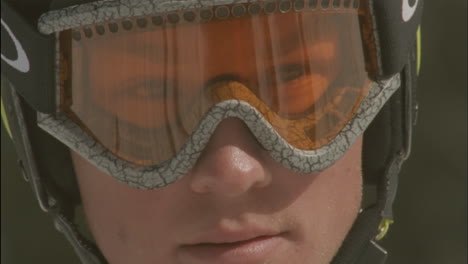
(224, 235)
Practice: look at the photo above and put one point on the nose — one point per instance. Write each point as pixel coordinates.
(232, 164)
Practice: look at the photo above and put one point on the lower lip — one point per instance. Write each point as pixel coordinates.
(249, 251)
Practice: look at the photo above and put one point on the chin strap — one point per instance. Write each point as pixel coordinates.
(360, 246)
(399, 117)
(373, 252)
(86, 251)
(63, 222)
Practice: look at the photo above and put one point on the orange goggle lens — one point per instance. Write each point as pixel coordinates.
(140, 86)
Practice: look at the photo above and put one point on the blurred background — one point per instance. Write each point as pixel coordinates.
(431, 205)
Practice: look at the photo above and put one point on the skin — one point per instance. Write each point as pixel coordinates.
(235, 183)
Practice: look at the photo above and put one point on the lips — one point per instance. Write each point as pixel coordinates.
(233, 247)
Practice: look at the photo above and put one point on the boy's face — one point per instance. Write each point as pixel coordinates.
(237, 205)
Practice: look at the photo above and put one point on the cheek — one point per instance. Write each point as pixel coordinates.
(328, 207)
(125, 222)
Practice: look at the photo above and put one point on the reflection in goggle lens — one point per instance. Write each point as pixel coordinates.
(141, 92)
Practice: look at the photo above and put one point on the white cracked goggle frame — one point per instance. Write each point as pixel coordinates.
(76, 138)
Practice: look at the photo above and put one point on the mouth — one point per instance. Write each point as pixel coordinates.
(253, 249)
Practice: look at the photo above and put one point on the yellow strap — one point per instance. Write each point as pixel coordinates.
(418, 43)
(383, 228)
(5, 119)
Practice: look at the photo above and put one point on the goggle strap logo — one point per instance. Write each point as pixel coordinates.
(21, 63)
(407, 11)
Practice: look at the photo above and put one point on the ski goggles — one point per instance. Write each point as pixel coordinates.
(144, 85)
